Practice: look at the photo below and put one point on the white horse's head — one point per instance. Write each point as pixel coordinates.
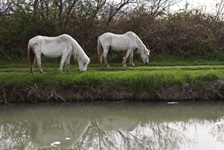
(145, 55)
(83, 63)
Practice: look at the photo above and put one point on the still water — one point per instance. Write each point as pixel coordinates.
(113, 126)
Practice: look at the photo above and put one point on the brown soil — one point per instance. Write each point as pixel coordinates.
(37, 93)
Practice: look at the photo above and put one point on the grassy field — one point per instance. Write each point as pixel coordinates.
(157, 75)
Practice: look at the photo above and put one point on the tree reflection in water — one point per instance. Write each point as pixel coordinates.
(108, 127)
(148, 136)
(217, 130)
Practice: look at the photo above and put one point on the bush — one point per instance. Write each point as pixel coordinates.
(16, 30)
(187, 33)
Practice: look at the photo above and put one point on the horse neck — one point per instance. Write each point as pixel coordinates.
(140, 44)
(77, 50)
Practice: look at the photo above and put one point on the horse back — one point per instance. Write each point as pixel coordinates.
(51, 46)
(123, 42)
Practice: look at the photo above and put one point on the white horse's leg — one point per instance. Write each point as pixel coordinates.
(32, 65)
(38, 56)
(126, 57)
(131, 59)
(105, 52)
(66, 126)
(63, 58)
(68, 63)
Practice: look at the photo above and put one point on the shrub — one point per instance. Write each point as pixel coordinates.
(16, 30)
(186, 33)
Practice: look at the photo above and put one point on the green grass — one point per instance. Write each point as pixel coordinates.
(135, 78)
(165, 73)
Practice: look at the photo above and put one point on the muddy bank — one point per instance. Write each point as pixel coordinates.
(39, 93)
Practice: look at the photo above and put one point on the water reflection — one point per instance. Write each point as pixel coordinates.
(64, 134)
(152, 126)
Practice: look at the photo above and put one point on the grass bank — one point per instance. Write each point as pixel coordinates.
(163, 80)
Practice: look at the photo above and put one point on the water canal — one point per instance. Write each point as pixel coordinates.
(114, 126)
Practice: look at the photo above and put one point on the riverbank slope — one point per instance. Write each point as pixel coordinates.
(153, 82)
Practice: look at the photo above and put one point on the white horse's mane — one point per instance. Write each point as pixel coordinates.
(140, 44)
(77, 49)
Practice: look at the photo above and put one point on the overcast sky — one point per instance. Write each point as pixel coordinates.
(200, 2)
(206, 5)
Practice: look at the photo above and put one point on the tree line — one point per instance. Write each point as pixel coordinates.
(187, 32)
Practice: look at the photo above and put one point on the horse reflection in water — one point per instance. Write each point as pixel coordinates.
(115, 132)
(62, 134)
(65, 134)
(115, 123)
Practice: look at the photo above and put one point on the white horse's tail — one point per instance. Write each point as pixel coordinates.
(31, 57)
(99, 51)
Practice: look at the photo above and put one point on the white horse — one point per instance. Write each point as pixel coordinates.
(63, 45)
(121, 42)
